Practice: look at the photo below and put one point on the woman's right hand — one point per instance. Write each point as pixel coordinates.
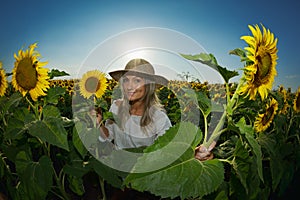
(96, 113)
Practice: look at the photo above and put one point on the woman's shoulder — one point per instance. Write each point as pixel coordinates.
(161, 119)
(159, 112)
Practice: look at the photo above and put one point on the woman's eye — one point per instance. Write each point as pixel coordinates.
(138, 80)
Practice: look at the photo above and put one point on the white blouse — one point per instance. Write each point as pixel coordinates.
(133, 136)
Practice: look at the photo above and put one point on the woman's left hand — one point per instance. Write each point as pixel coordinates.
(202, 153)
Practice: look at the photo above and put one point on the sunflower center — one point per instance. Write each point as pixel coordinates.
(268, 115)
(264, 66)
(92, 84)
(26, 75)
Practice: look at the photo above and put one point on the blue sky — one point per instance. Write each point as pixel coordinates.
(68, 31)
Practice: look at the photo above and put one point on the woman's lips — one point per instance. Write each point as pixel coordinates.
(130, 94)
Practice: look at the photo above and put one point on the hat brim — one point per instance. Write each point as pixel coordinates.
(159, 80)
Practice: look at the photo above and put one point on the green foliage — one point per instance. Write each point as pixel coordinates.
(43, 135)
(53, 95)
(46, 152)
(34, 182)
(50, 130)
(57, 73)
(248, 132)
(239, 52)
(211, 61)
(185, 177)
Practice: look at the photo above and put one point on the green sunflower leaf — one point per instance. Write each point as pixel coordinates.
(204, 103)
(241, 163)
(256, 148)
(9, 104)
(76, 184)
(211, 61)
(51, 111)
(112, 176)
(57, 73)
(50, 130)
(34, 182)
(15, 125)
(239, 52)
(53, 94)
(88, 137)
(77, 142)
(77, 168)
(168, 167)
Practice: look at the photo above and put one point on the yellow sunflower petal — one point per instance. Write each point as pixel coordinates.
(29, 76)
(296, 102)
(264, 120)
(262, 51)
(3, 81)
(93, 83)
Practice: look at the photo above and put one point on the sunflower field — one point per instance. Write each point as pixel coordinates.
(49, 147)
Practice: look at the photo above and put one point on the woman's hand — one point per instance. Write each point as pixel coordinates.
(96, 113)
(202, 153)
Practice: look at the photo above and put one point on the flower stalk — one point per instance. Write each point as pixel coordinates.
(227, 114)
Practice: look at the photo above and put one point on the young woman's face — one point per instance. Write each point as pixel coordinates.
(134, 87)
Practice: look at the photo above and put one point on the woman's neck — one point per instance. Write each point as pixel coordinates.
(136, 108)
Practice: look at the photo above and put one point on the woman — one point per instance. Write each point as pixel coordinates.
(139, 118)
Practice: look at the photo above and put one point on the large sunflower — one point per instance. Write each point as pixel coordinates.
(3, 81)
(29, 74)
(264, 120)
(262, 53)
(297, 101)
(93, 83)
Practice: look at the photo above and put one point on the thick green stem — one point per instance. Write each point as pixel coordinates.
(217, 131)
(205, 127)
(293, 116)
(227, 92)
(102, 185)
(34, 108)
(231, 103)
(41, 112)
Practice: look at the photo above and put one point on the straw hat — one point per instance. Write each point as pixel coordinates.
(139, 67)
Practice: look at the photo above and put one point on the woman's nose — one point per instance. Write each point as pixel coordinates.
(129, 85)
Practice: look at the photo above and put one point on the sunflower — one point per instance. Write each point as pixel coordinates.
(3, 81)
(29, 74)
(297, 101)
(285, 107)
(93, 83)
(262, 53)
(264, 120)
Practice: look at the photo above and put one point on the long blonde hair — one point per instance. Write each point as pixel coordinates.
(151, 104)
